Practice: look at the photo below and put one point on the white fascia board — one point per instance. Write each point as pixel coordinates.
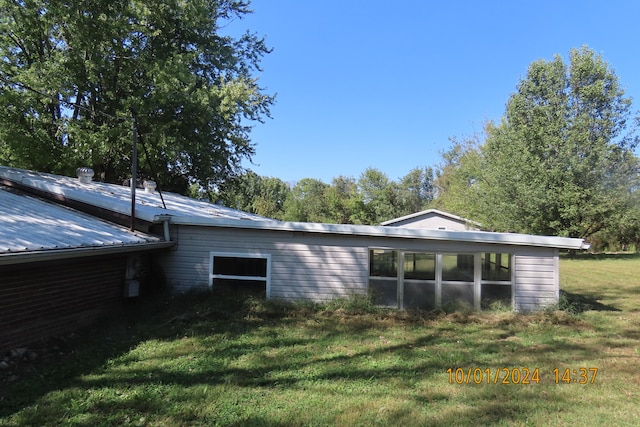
(393, 232)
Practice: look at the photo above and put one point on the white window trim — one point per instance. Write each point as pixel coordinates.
(476, 283)
(267, 279)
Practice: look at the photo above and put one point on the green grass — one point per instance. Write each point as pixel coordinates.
(221, 361)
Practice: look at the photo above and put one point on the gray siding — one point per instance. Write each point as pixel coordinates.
(432, 221)
(537, 279)
(302, 266)
(324, 266)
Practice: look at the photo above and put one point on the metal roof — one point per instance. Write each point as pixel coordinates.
(117, 198)
(186, 211)
(29, 225)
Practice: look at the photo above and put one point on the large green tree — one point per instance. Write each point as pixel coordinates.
(560, 162)
(73, 73)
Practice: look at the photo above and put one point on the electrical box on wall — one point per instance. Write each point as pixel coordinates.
(131, 288)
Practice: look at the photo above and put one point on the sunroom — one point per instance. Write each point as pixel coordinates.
(427, 280)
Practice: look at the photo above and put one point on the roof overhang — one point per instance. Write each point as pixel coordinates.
(392, 232)
(11, 258)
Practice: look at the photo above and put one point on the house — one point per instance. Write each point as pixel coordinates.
(61, 268)
(434, 219)
(215, 246)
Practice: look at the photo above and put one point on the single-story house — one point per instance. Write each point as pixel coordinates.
(401, 267)
(61, 268)
(433, 219)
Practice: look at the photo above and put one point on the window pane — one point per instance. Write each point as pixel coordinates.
(457, 267)
(495, 294)
(496, 267)
(457, 295)
(384, 292)
(235, 266)
(383, 263)
(420, 266)
(420, 295)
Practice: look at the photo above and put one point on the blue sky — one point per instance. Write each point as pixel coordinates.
(368, 83)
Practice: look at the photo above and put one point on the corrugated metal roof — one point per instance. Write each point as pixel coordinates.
(28, 224)
(117, 198)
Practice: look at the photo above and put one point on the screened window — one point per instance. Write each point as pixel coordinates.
(383, 283)
(424, 280)
(383, 263)
(496, 267)
(457, 267)
(420, 266)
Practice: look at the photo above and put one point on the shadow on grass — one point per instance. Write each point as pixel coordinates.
(576, 303)
(231, 328)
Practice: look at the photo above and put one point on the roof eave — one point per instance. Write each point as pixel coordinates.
(392, 232)
(11, 258)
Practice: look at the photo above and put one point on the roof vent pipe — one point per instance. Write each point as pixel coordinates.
(85, 174)
(149, 186)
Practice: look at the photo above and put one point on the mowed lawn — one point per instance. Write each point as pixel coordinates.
(216, 361)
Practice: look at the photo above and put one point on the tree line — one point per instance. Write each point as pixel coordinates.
(370, 199)
(77, 77)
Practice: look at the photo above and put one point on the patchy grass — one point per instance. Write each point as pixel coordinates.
(240, 361)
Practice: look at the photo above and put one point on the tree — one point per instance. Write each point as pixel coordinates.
(307, 202)
(561, 160)
(416, 191)
(379, 197)
(72, 74)
(257, 194)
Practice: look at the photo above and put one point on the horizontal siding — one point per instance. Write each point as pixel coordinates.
(319, 267)
(302, 267)
(537, 279)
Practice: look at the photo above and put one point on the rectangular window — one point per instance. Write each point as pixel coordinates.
(420, 266)
(383, 280)
(423, 280)
(240, 272)
(383, 263)
(496, 288)
(457, 267)
(496, 267)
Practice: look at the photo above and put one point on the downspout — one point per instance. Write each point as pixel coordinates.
(165, 219)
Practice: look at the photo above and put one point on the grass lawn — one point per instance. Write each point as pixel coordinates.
(218, 361)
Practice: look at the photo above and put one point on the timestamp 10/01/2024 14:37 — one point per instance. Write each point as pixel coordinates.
(520, 375)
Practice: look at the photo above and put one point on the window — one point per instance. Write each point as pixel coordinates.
(496, 267)
(383, 280)
(250, 272)
(419, 284)
(408, 279)
(496, 286)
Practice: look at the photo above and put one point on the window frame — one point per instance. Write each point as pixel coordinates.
(251, 255)
(476, 282)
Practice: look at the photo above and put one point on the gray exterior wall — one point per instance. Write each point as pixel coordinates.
(323, 266)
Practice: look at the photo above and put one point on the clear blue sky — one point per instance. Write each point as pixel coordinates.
(370, 83)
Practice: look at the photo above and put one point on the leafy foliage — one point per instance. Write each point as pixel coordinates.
(371, 199)
(560, 162)
(72, 73)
